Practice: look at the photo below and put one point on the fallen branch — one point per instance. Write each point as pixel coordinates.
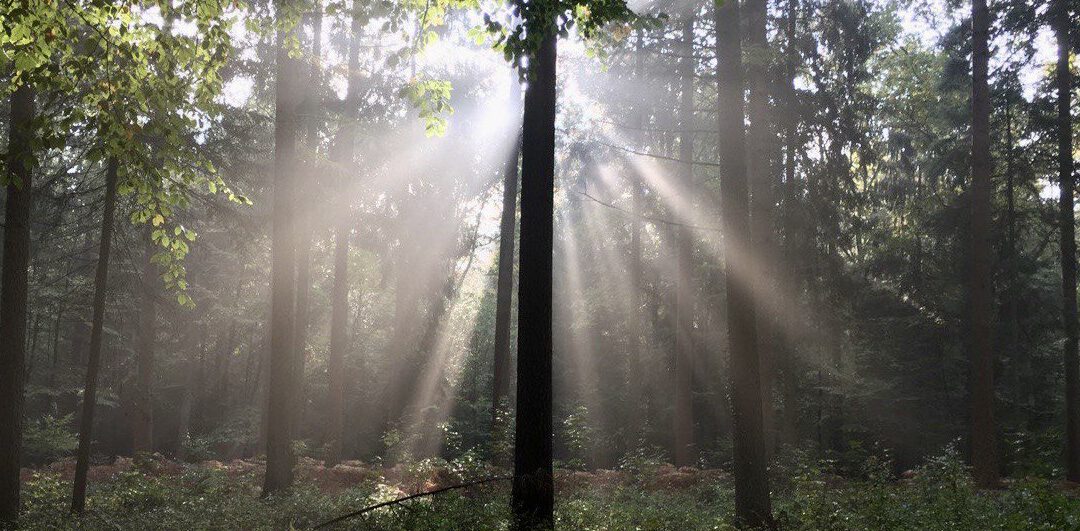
(354, 514)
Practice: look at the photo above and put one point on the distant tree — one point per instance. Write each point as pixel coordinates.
(760, 144)
(983, 430)
(142, 422)
(13, 295)
(306, 209)
(282, 375)
(1062, 23)
(97, 322)
(685, 449)
(339, 312)
(504, 291)
(752, 505)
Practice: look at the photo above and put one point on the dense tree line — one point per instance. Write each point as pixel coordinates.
(708, 234)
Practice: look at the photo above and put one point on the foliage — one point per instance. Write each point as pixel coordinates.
(146, 93)
(48, 439)
(940, 497)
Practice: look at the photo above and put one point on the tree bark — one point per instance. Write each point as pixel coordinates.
(13, 295)
(983, 447)
(93, 364)
(282, 374)
(1062, 24)
(339, 313)
(752, 504)
(685, 449)
(533, 493)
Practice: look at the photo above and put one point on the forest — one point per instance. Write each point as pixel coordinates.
(538, 264)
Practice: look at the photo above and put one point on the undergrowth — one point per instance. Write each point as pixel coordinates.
(938, 496)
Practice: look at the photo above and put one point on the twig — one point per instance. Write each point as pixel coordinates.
(407, 498)
(652, 219)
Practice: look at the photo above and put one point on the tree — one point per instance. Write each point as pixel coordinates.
(533, 493)
(505, 283)
(93, 363)
(760, 141)
(752, 505)
(685, 448)
(13, 296)
(142, 425)
(282, 379)
(339, 312)
(1062, 22)
(983, 447)
(305, 219)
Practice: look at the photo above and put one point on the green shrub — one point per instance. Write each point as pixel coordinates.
(48, 439)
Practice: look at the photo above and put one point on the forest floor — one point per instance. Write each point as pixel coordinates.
(156, 493)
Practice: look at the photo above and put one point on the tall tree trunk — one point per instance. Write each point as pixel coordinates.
(1062, 24)
(93, 363)
(339, 341)
(640, 383)
(1012, 262)
(685, 449)
(339, 313)
(760, 140)
(304, 223)
(282, 374)
(13, 294)
(789, 273)
(504, 293)
(983, 447)
(752, 505)
(533, 493)
(142, 428)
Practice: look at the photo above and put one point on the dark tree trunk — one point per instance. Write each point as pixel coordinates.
(142, 426)
(685, 449)
(13, 294)
(1062, 25)
(983, 447)
(282, 375)
(760, 141)
(752, 505)
(505, 290)
(339, 312)
(533, 493)
(93, 363)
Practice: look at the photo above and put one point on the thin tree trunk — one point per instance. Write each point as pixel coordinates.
(504, 293)
(685, 449)
(13, 295)
(304, 226)
(339, 312)
(752, 504)
(142, 429)
(762, 204)
(789, 273)
(635, 310)
(93, 364)
(282, 375)
(1062, 24)
(533, 493)
(983, 447)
